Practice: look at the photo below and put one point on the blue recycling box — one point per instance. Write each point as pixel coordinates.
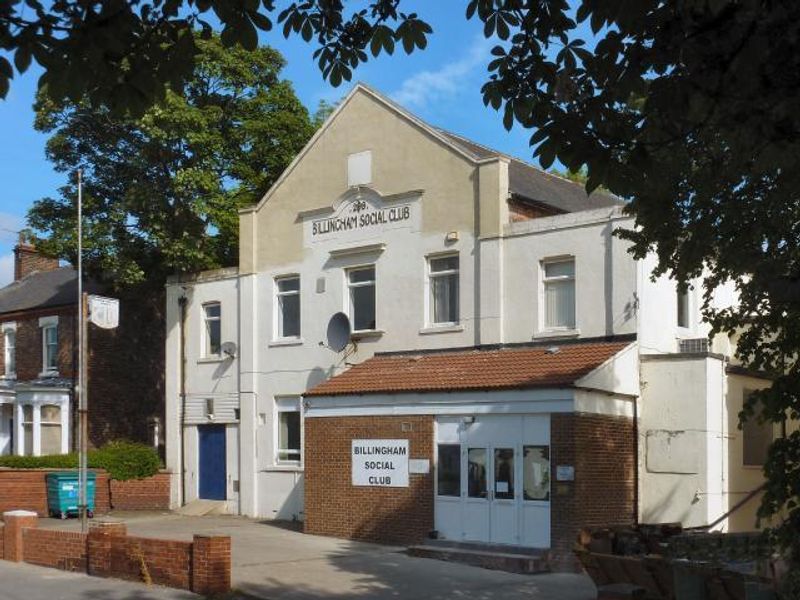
(62, 494)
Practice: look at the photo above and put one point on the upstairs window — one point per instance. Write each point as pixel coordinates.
(212, 313)
(559, 294)
(287, 291)
(361, 289)
(443, 284)
(50, 348)
(756, 439)
(10, 351)
(289, 444)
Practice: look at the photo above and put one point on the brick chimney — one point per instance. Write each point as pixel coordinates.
(27, 260)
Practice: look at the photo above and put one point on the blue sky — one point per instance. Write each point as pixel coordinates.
(440, 84)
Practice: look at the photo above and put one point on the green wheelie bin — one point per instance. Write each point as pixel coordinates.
(63, 496)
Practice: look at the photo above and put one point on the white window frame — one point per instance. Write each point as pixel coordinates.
(349, 297)
(7, 330)
(544, 280)
(45, 324)
(284, 404)
(429, 299)
(36, 404)
(206, 341)
(277, 315)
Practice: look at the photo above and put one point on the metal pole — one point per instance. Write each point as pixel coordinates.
(82, 392)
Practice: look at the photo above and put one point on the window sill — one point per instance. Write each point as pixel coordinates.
(207, 360)
(288, 468)
(286, 342)
(367, 333)
(48, 374)
(441, 329)
(556, 333)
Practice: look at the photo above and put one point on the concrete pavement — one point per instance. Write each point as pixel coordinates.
(277, 562)
(26, 582)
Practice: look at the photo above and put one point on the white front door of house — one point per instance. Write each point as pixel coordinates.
(493, 479)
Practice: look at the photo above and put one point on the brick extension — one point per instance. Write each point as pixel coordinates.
(334, 507)
(202, 566)
(601, 448)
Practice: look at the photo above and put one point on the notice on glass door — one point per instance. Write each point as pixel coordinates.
(380, 463)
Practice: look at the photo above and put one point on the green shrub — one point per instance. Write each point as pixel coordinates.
(122, 461)
(53, 461)
(126, 460)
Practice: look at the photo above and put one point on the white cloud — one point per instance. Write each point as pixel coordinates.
(426, 86)
(6, 269)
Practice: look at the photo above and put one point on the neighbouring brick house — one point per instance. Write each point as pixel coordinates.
(38, 358)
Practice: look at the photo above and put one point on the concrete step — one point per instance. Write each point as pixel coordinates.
(201, 508)
(512, 559)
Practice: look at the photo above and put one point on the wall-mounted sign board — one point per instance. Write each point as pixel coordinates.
(104, 312)
(380, 463)
(565, 473)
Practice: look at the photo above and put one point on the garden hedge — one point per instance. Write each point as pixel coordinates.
(122, 461)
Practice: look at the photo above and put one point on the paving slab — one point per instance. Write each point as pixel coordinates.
(276, 561)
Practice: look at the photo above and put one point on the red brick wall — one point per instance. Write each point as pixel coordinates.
(29, 343)
(65, 550)
(26, 489)
(202, 565)
(126, 373)
(602, 450)
(522, 211)
(333, 506)
(166, 562)
(151, 493)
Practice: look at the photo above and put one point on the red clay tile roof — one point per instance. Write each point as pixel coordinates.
(475, 369)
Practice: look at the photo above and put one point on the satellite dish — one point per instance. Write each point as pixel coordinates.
(338, 332)
(229, 349)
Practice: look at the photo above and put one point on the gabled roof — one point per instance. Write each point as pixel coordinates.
(531, 183)
(554, 365)
(526, 182)
(43, 289)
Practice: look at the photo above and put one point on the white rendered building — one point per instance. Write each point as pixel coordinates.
(429, 243)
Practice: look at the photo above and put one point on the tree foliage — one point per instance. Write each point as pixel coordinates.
(126, 54)
(161, 192)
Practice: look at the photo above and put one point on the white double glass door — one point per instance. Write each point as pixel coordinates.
(493, 479)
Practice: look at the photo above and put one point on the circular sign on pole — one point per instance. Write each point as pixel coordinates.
(338, 334)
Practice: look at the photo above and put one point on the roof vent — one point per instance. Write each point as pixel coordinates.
(553, 350)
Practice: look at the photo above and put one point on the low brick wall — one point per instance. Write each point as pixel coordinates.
(65, 550)
(202, 565)
(26, 489)
(151, 493)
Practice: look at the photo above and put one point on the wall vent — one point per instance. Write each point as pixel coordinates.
(694, 346)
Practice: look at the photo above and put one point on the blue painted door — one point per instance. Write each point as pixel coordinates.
(212, 462)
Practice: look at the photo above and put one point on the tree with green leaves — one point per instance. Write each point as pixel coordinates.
(162, 191)
(688, 108)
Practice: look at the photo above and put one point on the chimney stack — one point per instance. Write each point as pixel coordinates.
(27, 260)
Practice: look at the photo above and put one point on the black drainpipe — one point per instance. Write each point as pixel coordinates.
(182, 305)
